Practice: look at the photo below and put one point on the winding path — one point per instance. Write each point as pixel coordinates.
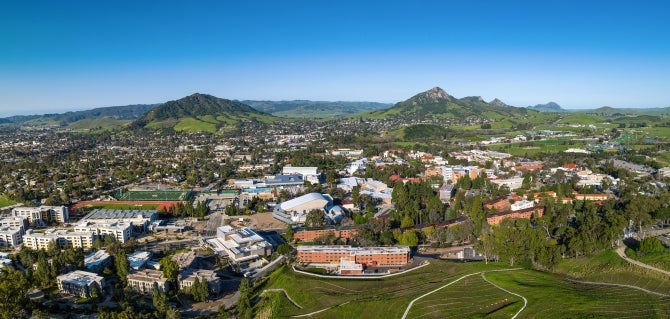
(285, 293)
(621, 251)
(525, 301)
(617, 285)
(453, 282)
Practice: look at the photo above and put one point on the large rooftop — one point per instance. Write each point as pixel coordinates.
(121, 214)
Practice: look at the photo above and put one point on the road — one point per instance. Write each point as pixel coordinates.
(622, 252)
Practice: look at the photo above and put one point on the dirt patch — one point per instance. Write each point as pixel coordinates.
(259, 221)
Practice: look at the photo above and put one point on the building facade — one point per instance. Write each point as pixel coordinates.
(367, 256)
(144, 281)
(59, 214)
(80, 283)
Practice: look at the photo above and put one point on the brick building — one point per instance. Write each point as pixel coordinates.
(527, 213)
(368, 256)
(311, 235)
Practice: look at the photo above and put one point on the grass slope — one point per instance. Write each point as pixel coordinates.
(549, 295)
(5, 201)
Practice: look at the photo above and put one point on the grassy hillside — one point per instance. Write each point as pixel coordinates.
(456, 295)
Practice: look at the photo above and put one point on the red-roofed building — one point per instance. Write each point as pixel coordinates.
(528, 167)
(527, 213)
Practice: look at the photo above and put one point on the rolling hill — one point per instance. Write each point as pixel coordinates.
(198, 113)
(548, 107)
(437, 103)
(120, 114)
(314, 109)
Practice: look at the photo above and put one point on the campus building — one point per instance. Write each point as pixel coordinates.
(120, 230)
(59, 214)
(140, 219)
(11, 236)
(295, 211)
(367, 256)
(138, 259)
(241, 244)
(526, 213)
(80, 283)
(187, 278)
(97, 261)
(311, 235)
(63, 238)
(144, 281)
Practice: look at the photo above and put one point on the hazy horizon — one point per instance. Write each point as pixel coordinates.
(66, 56)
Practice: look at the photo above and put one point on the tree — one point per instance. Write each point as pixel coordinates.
(244, 303)
(407, 221)
(13, 288)
(122, 265)
(288, 234)
(159, 300)
(284, 249)
(170, 269)
(315, 218)
(200, 290)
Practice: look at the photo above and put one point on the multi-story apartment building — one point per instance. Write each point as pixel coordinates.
(80, 283)
(11, 236)
(122, 231)
(63, 238)
(145, 280)
(369, 256)
(59, 214)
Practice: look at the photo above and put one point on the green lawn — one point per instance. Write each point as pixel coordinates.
(5, 201)
(549, 295)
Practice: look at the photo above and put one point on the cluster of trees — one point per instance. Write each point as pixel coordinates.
(185, 210)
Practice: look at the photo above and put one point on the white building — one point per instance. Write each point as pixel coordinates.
(59, 214)
(138, 259)
(346, 152)
(140, 219)
(240, 244)
(120, 230)
(309, 174)
(19, 222)
(522, 204)
(63, 239)
(295, 211)
(145, 280)
(511, 183)
(97, 260)
(11, 236)
(80, 283)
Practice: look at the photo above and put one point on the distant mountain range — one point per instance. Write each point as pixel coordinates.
(314, 109)
(438, 103)
(548, 107)
(202, 112)
(121, 113)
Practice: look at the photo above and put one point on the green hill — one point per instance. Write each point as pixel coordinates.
(314, 109)
(198, 113)
(436, 103)
(120, 113)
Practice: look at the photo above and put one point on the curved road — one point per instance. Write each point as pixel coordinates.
(621, 250)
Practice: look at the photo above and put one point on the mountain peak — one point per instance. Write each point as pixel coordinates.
(434, 95)
(498, 102)
(548, 107)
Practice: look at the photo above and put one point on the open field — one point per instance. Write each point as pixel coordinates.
(5, 201)
(155, 195)
(497, 293)
(125, 205)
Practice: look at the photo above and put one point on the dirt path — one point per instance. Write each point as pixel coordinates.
(622, 252)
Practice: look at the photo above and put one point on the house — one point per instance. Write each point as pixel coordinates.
(80, 283)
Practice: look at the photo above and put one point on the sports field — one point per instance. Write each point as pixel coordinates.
(458, 290)
(154, 195)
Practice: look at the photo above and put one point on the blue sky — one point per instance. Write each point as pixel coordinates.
(70, 55)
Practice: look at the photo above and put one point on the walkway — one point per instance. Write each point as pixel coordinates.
(621, 250)
(285, 293)
(453, 282)
(525, 301)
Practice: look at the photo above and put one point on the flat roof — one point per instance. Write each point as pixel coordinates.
(119, 214)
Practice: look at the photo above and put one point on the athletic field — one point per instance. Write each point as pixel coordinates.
(154, 195)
